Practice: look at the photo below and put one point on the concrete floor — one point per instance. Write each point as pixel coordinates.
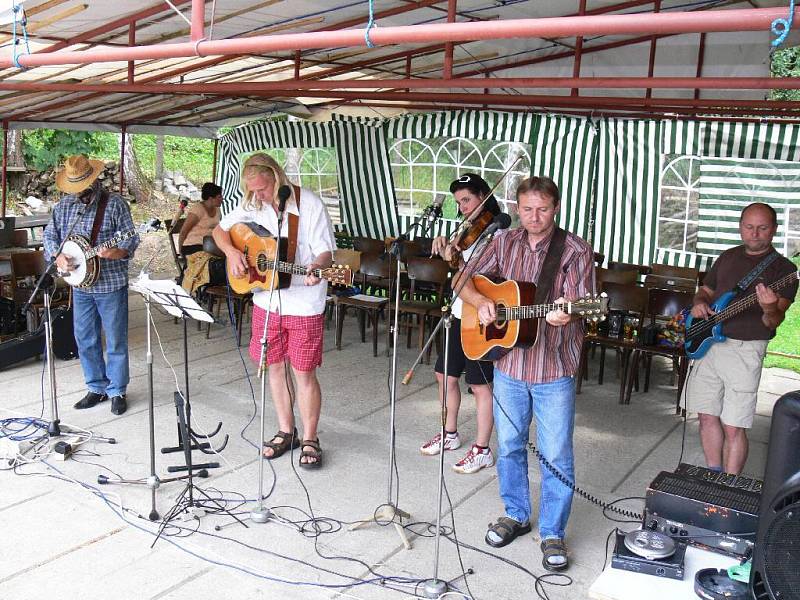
(63, 539)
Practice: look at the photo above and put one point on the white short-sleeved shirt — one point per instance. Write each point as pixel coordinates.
(458, 303)
(314, 236)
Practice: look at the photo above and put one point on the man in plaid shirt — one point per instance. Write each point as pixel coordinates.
(104, 304)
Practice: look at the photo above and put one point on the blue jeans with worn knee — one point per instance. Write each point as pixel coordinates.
(553, 404)
(109, 311)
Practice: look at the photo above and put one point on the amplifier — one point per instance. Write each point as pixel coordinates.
(707, 514)
(739, 482)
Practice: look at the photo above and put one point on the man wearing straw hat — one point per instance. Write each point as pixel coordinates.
(104, 304)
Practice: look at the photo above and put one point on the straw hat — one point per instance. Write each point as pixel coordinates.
(78, 173)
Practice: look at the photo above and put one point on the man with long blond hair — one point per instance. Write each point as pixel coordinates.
(295, 318)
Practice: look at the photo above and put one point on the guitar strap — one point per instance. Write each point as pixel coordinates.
(748, 279)
(544, 287)
(98, 216)
(294, 225)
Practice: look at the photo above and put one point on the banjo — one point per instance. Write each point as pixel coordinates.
(83, 257)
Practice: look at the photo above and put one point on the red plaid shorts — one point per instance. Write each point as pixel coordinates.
(295, 337)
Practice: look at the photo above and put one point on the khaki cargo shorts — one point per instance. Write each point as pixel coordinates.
(724, 383)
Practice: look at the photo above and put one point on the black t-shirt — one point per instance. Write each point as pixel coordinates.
(728, 270)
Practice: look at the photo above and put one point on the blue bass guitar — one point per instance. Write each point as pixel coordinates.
(702, 333)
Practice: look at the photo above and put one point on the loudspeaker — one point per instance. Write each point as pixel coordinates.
(776, 557)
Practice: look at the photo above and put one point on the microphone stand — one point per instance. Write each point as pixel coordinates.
(389, 511)
(261, 513)
(43, 284)
(435, 587)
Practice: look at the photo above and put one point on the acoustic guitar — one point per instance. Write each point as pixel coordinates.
(517, 321)
(701, 334)
(264, 254)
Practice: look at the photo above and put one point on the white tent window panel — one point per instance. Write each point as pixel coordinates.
(678, 206)
(729, 185)
(311, 168)
(424, 168)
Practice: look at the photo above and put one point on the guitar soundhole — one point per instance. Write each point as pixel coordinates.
(261, 262)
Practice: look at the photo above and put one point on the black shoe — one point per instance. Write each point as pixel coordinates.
(118, 405)
(89, 400)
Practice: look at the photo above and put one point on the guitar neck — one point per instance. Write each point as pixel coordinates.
(287, 267)
(751, 300)
(531, 311)
(114, 241)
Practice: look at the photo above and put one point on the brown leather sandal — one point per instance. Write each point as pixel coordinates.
(315, 454)
(288, 441)
(554, 548)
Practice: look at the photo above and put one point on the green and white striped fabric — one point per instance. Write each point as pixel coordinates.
(728, 185)
(470, 124)
(628, 176)
(263, 135)
(565, 149)
(762, 141)
(368, 203)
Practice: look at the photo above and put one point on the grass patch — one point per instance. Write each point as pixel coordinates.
(787, 339)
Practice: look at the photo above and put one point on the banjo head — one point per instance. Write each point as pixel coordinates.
(85, 272)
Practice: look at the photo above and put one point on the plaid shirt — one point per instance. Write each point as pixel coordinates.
(557, 350)
(117, 218)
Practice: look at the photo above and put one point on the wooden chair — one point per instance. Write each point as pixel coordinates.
(428, 284)
(218, 294)
(661, 306)
(374, 278)
(670, 282)
(368, 245)
(623, 266)
(173, 232)
(26, 268)
(608, 276)
(672, 271)
(626, 298)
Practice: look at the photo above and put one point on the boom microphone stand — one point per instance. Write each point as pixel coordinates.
(389, 511)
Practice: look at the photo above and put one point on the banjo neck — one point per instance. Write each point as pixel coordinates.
(110, 243)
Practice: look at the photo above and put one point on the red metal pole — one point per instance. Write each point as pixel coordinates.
(754, 19)
(122, 160)
(651, 65)
(131, 42)
(5, 167)
(408, 68)
(198, 20)
(701, 55)
(259, 88)
(576, 64)
(297, 64)
(214, 161)
(447, 71)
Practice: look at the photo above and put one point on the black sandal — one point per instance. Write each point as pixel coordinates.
(552, 548)
(507, 529)
(289, 441)
(315, 453)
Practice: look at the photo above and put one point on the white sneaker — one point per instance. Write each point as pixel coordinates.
(434, 445)
(474, 461)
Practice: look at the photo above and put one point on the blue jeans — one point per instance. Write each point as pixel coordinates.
(553, 404)
(91, 311)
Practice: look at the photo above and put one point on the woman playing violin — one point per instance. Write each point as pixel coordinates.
(472, 194)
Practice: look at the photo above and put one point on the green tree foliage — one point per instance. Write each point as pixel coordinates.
(786, 63)
(47, 148)
(193, 157)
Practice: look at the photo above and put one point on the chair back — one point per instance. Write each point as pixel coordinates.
(20, 238)
(374, 265)
(672, 271)
(626, 297)
(608, 276)
(665, 304)
(27, 264)
(432, 271)
(346, 256)
(173, 229)
(623, 266)
(210, 246)
(369, 245)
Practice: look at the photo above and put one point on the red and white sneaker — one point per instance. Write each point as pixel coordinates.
(475, 460)
(434, 445)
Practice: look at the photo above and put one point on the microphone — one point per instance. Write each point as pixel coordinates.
(184, 203)
(434, 210)
(283, 195)
(501, 221)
